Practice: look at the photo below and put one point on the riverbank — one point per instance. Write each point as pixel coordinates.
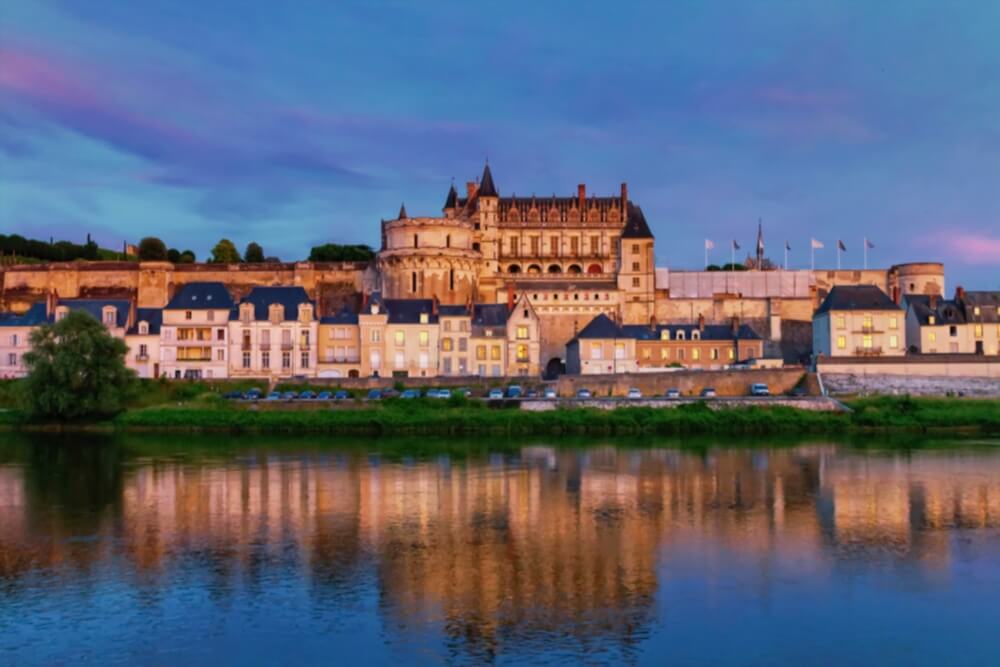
(431, 417)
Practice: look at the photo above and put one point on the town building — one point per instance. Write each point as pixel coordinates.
(606, 347)
(273, 334)
(143, 340)
(193, 335)
(15, 333)
(967, 324)
(339, 345)
(859, 321)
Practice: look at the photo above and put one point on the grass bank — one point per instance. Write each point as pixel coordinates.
(460, 417)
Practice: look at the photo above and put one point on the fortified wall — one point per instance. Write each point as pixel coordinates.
(332, 284)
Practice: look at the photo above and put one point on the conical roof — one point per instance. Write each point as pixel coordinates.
(452, 200)
(486, 187)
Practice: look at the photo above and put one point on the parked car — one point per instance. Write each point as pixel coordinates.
(634, 393)
(389, 392)
(550, 393)
(583, 393)
(411, 393)
(708, 392)
(514, 391)
(444, 393)
(531, 393)
(759, 389)
(324, 396)
(374, 394)
(341, 395)
(673, 393)
(464, 391)
(289, 396)
(252, 395)
(233, 395)
(307, 395)
(495, 394)
(274, 396)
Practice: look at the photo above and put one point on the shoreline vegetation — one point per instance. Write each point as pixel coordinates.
(199, 407)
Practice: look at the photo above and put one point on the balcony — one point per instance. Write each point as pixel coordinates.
(868, 351)
(286, 346)
(142, 357)
(868, 329)
(246, 347)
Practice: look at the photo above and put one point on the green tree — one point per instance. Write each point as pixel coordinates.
(174, 255)
(225, 252)
(188, 257)
(76, 370)
(254, 253)
(332, 252)
(152, 249)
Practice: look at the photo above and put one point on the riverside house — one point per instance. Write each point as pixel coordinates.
(273, 333)
(967, 324)
(193, 335)
(858, 321)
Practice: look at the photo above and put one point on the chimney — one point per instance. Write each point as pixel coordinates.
(434, 306)
(735, 326)
(959, 293)
(132, 311)
(364, 300)
(581, 195)
(468, 305)
(701, 321)
(624, 196)
(652, 323)
(510, 297)
(470, 189)
(51, 300)
(895, 294)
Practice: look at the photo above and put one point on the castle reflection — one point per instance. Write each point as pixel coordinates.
(531, 545)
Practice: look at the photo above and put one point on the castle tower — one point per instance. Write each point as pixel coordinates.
(637, 268)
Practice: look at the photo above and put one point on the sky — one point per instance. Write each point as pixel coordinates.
(299, 123)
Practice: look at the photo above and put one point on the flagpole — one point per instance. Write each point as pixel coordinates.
(812, 255)
(838, 255)
(786, 255)
(866, 253)
(706, 255)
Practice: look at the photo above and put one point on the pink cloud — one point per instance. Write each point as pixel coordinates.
(41, 79)
(974, 248)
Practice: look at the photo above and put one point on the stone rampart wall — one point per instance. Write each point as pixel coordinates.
(725, 383)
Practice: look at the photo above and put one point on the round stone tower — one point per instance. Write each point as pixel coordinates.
(917, 278)
(423, 258)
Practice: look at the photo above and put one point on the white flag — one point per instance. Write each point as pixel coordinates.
(816, 244)
(709, 245)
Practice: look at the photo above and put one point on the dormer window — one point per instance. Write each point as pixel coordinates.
(108, 315)
(305, 312)
(246, 312)
(680, 335)
(143, 328)
(695, 335)
(423, 318)
(374, 309)
(931, 319)
(975, 310)
(275, 312)
(665, 334)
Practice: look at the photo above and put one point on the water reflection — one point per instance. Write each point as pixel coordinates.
(538, 550)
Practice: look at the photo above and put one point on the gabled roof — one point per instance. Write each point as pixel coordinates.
(601, 327)
(635, 224)
(95, 308)
(856, 297)
(486, 187)
(34, 316)
(343, 316)
(289, 298)
(988, 302)
(408, 311)
(201, 296)
(943, 310)
(489, 314)
(151, 316)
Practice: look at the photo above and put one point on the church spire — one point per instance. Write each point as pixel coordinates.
(486, 187)
(760, 244)
(452, 200)
(402, 212)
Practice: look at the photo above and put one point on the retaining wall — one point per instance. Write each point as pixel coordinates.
(689, 383)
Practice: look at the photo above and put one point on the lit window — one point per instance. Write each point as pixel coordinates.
(664, 353)
(400, 338)
(495, 353)
(481, 352)
(647, 353)
(866, 342)
(446, 344)
(867, 322)
(975, 310)
(932, 337)
(522, 352)
(841, 322)
(977, 331)
(695, 354)
(893, 322)
(425, 338)
(522, 333)
(423, 318)
(931, 319)
(893, 342)
(841, 342)
(665, 334)
(732, 354)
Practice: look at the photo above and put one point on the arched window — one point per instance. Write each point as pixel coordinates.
(555, 268)
(534, 268)
(574, 268)
(595, 268)
(514, 268)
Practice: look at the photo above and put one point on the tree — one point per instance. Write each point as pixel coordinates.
(254, 253)
(332, 252)
(152, 249)
(225, 252)
(76, 370)
(188, 257)
(174, 255)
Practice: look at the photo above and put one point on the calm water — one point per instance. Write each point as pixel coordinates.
(151, 550)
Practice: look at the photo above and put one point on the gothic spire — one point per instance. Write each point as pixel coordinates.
(486, 187)
(452, 200)
(402, 212)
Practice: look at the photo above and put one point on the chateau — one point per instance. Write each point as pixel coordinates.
(554, 263)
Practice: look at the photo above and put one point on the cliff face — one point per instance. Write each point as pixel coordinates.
(153, 283)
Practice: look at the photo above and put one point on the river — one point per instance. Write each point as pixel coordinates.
(192, 550)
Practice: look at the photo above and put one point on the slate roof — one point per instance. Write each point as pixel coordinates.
(95, 308)
(343, 316)
(486, 187)
(988, 302)
(603, 326)
(635, 224)
(152, 316)
(489, 314)
(856, 297)
(262, 297)
(204, 296)
(452, 200)
(944, 311)
(34, 316)
(452, 311)
(408, 311)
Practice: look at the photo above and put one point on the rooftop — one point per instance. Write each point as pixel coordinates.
(856, 297)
